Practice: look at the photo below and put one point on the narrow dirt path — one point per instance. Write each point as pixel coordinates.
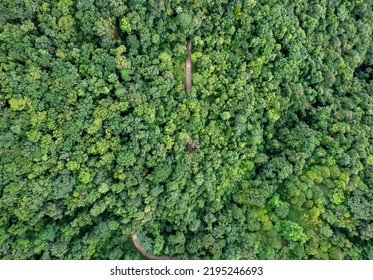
(188, 67)
(188, 87)
(149, 257)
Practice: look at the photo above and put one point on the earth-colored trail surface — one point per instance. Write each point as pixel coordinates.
(188, 87)
(149, 257)
(188, 67)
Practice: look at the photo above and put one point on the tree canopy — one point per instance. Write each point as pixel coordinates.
(95, 125)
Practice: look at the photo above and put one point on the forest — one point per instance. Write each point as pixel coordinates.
(268, 156)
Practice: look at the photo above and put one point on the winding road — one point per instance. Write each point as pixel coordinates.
(188, 87)
(188, 67)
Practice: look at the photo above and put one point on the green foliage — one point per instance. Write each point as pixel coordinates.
(293, 232)
(95, 125)
(125, 25)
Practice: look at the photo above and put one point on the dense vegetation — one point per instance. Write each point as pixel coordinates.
(95, 124)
